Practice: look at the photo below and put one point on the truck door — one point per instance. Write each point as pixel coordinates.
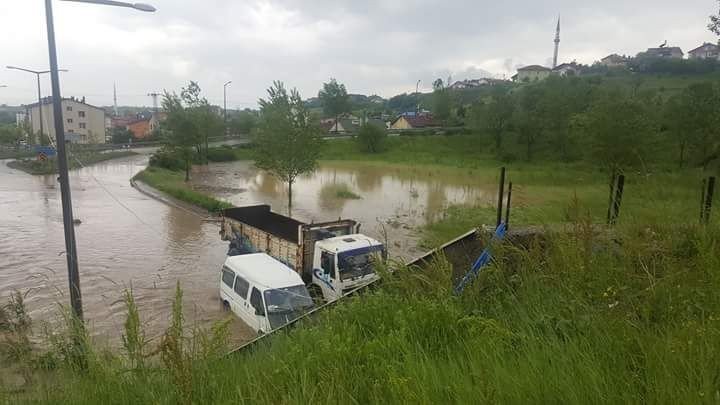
(326, 276)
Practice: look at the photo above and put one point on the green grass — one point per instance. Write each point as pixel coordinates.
(16, 154)
(49, 166)
(338, 190)
(173, 184)
(582, 320)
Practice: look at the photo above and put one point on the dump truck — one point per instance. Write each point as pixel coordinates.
(332, 258)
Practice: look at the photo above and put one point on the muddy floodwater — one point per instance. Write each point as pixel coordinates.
(125, 239)
(392, 200)
(129, 239)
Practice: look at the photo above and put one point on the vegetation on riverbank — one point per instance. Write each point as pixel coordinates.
(16, 153)
(173, 183)
(75, 160)
(575, 319)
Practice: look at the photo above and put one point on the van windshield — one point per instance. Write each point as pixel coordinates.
(286, 304)
(359, 262)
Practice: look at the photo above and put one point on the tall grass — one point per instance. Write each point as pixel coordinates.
(577, 317)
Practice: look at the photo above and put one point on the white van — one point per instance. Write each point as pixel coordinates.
(262, 291)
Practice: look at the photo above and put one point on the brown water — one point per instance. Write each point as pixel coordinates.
(394, 199)
(128, 239)
(116, 250)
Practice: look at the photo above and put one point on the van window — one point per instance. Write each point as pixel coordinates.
(327, 262)
(241, 286)
(228, 277)
(256, 302)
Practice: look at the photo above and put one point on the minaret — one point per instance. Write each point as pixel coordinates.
(115, 110)
(557, 44)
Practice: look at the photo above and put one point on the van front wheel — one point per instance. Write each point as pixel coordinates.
(226, 306)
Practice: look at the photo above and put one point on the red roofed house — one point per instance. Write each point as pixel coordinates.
(413, 121)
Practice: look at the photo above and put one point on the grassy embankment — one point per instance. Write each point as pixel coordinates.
(173, 183)
(49, 166)
(583, 320)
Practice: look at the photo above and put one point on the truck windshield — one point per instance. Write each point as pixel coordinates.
(286, 304)
(359, 262)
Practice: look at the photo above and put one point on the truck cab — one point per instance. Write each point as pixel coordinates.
(344, 263)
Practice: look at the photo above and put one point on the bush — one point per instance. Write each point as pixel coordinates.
(167, 158)
(371, 138)
(222, 154)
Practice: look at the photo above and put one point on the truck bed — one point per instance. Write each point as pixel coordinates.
(261, 217)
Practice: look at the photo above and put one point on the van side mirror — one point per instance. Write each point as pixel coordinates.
(259, 311)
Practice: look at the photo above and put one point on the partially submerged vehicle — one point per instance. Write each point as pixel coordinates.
(332, 258)
(263, 292)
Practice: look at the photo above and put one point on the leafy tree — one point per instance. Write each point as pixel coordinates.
(563, 98)
(495, 116)
(696, 121)
(244, 122)
(619, 130)
(120, 135)
(10, 134)
(438, 84)
(334, 99)
(206, 121)
(182, 133)
(371, 138)
(526, 119)
(287, 140)
(442, 105)
(714, 25)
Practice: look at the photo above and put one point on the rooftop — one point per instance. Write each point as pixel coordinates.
(534, 68)
(263, 270)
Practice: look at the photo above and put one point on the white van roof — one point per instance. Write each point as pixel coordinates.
(263, 270)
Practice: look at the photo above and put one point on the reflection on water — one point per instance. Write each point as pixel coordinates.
(401, 198)
(116, 249)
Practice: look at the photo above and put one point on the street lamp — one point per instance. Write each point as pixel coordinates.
(225, 102)
(417, 88)
(37, 73)
(70, 247)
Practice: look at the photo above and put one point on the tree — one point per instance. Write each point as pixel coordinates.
(673, 124)
(206, 121)
(182, 134)
(619, 130)
(526, 119)
(714, 25)
(334, 99)
(120, 135)
(10, 134)
(697, 121)
(438, 84)
(371, 138)
(442, 105)
(494, 116)
(244, 122)
(287, 140)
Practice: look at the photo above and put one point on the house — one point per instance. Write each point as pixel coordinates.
(532, 73)
(473, 83)
(705, 51)
(567, 69)
(144, 124)
(665, 52)
(614, 60)
(411, 120)
(85, 122)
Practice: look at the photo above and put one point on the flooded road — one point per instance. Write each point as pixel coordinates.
(393, 199)
(129, 239)
(125, 239)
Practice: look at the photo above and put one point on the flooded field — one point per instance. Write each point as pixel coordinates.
(388, 199)
(128, 239)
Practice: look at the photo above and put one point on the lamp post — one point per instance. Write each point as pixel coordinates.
(225, 103)
(417, 89)
(37, 73)
(70, 246)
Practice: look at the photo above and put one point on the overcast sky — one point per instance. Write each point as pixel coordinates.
(373, 46)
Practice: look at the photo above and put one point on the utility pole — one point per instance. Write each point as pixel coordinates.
(225, 103)
(155, 100)
(115, 109)
(68, 223)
